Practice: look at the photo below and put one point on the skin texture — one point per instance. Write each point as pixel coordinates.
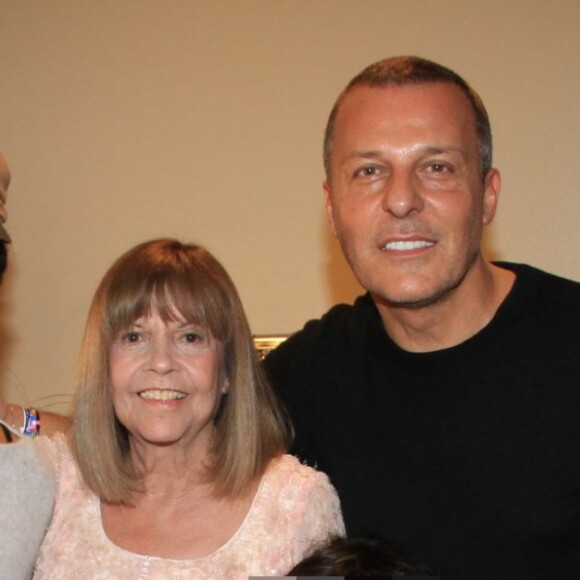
(408, 205)
(175, 516)
(175, 357)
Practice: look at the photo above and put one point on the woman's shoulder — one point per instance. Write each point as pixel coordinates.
(56, 450)
(287, 465)
(304, 497)
(287, 472)
(54, 447)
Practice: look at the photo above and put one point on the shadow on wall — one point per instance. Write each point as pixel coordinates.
(341, 285)
(11, 386)
(489, 250)
(8, 338)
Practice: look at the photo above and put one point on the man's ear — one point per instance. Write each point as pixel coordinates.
(492, 186)
(329, 207)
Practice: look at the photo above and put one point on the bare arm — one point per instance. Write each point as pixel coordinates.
(13, 417)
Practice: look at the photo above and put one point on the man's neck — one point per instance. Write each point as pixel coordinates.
(453, 319)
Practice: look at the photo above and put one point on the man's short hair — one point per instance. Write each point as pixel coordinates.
(409, 70)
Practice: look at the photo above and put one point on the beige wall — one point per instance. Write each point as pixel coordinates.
(129, 119)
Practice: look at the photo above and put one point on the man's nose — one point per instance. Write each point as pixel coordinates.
(402, 195)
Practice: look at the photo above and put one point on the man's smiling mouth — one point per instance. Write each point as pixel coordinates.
(407, 245)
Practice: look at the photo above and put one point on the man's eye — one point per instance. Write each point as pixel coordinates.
(368, 171)
(439, 167)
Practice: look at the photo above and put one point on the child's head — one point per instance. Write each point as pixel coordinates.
(358, 558)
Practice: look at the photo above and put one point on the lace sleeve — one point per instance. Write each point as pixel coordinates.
(50, 448)
(320, 518)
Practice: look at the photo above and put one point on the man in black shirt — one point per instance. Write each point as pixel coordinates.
(445, 403)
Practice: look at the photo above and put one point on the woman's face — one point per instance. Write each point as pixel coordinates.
(166, 382)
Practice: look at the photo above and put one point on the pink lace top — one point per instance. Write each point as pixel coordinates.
(295, 508)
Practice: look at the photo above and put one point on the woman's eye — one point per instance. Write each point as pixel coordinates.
(195, 338)
(194, 341)
(131, 337)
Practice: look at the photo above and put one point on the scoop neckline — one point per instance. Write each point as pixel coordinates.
(244, 524)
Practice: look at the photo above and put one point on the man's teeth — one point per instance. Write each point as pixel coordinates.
(407, 245)
(162, 395)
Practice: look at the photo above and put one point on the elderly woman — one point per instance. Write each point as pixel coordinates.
(176, 464)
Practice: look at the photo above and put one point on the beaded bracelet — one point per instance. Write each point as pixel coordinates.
(31, 423)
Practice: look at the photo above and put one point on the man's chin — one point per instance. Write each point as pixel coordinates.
(407, 302)
(412, 298)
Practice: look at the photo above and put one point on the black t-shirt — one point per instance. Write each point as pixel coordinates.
(469, 457)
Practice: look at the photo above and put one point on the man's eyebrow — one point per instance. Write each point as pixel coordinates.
(428, 150)
(444, 149)
(368, 154)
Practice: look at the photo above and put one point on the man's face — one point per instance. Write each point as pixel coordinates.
(406, 198)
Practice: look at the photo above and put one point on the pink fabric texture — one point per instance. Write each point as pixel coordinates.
(295, 509)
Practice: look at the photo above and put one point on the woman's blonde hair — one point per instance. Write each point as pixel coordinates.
(251, 428)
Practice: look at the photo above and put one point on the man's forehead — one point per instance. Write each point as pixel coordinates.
(399, 110)
(430, 96)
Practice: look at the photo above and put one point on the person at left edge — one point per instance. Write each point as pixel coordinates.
(27, 491)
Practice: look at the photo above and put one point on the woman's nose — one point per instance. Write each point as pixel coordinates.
(162, 359)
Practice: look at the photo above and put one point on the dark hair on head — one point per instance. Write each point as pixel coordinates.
(358, 558)
(3, 258)
(409, 70)
(179, 281)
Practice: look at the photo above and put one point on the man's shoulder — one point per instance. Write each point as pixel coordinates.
(337, 325)
(324, 341)
(551, 290)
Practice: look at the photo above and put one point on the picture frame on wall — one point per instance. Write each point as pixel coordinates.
(264, 343)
